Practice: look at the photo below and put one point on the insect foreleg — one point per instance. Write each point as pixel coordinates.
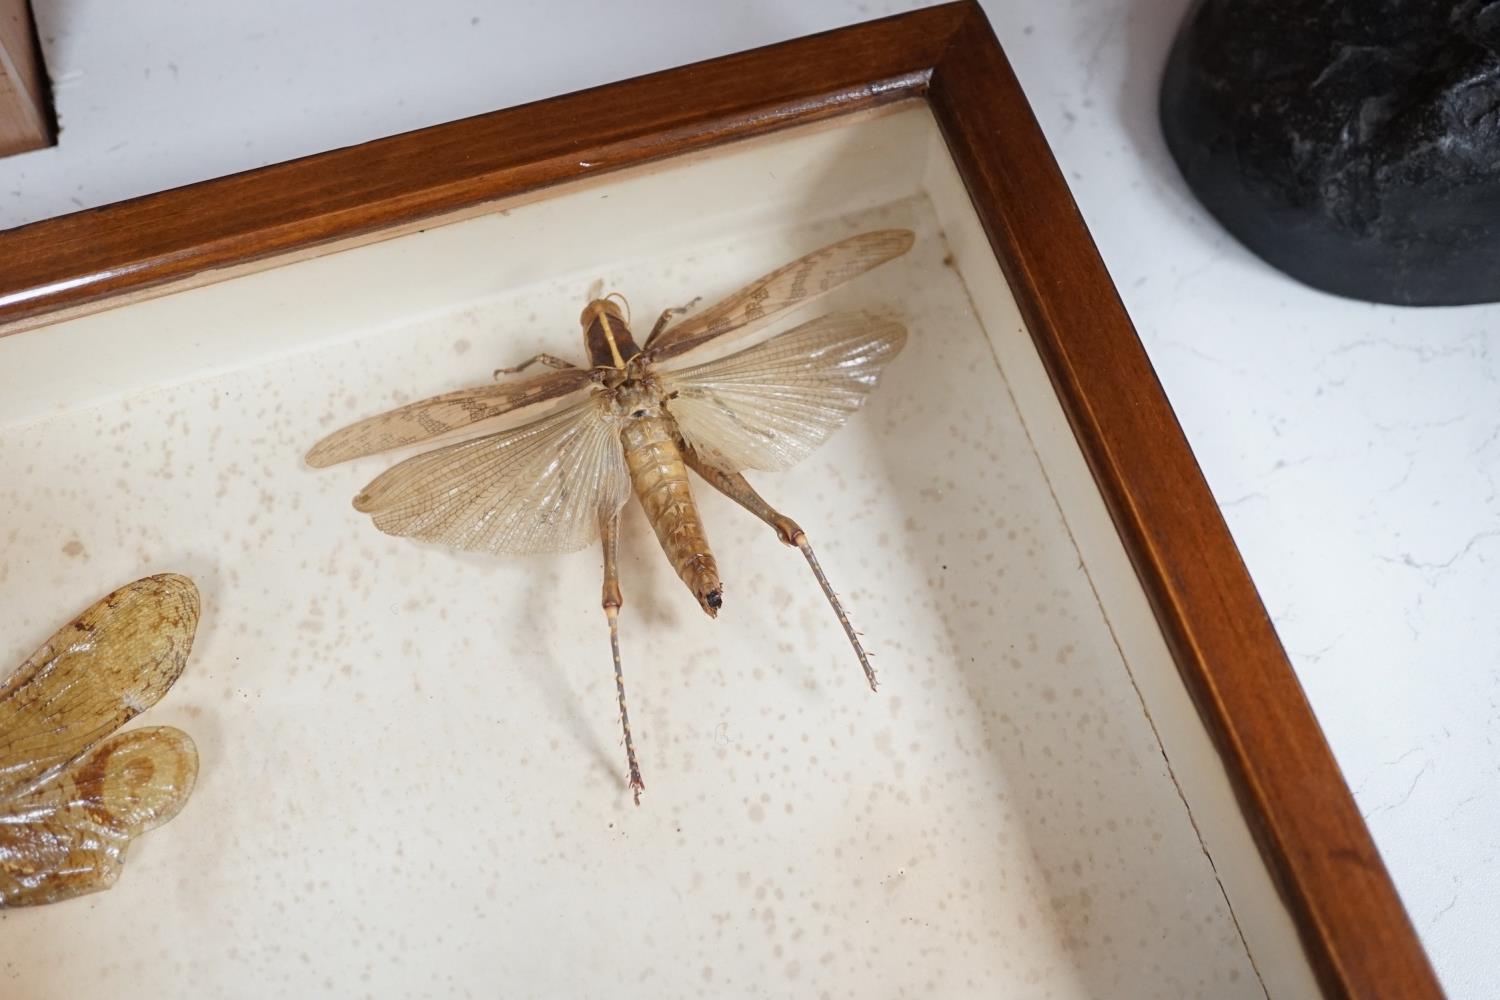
(550, 360)
(609, 530)
(737, 488)
(666, 317)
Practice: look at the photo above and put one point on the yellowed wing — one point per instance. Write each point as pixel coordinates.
(797, 282)
(69, 836)
(767, 407)
(541, 487)
(430, 418)
(108, 665)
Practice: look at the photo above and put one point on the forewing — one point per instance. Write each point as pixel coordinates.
(541, 487)
(783, 288)
(434, 417)
(69, 836)
(108, 665)
(767, 407)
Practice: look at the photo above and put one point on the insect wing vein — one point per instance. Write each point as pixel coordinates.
(768, 406)
(535, 488)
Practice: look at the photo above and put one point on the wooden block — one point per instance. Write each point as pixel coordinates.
(26, 119)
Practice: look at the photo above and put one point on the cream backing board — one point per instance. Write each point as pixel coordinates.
(1185, 744)
(411, 778)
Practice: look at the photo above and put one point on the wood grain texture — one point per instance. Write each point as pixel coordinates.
(26, 120)
(1353, 926)
(153, 240)
(1308, 827)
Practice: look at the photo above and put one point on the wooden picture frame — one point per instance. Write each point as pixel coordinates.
(1310, 833)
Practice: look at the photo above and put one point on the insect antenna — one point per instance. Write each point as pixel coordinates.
(838, 609)
(624, 302)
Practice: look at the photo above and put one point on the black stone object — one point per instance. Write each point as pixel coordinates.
(1354, 144)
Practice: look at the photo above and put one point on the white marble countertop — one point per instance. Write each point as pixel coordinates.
(1354, 448)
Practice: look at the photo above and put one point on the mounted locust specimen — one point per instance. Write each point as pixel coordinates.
(72, 797)
(637, 418)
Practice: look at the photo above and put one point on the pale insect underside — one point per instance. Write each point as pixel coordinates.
(550, 484)
(72, 796)
(762, 299)
(547, 486)
(543, 486)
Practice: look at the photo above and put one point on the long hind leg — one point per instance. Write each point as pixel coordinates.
(737, 488)
(609, 530)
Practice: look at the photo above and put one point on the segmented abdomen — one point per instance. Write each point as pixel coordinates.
(661, 484)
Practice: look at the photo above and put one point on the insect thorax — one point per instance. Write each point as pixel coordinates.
(637, 397)
(606, 335)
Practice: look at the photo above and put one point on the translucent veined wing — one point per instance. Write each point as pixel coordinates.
(69, 836)
(540, 487)
(71, 797)
(782, 289)
(434, 417)
(767, 407)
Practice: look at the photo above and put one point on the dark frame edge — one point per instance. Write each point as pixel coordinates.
(1356, 932)
(135, 246)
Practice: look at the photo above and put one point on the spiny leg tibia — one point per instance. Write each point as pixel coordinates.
(609, 531)
(666, 317)
(550, 360)
(737, 488)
